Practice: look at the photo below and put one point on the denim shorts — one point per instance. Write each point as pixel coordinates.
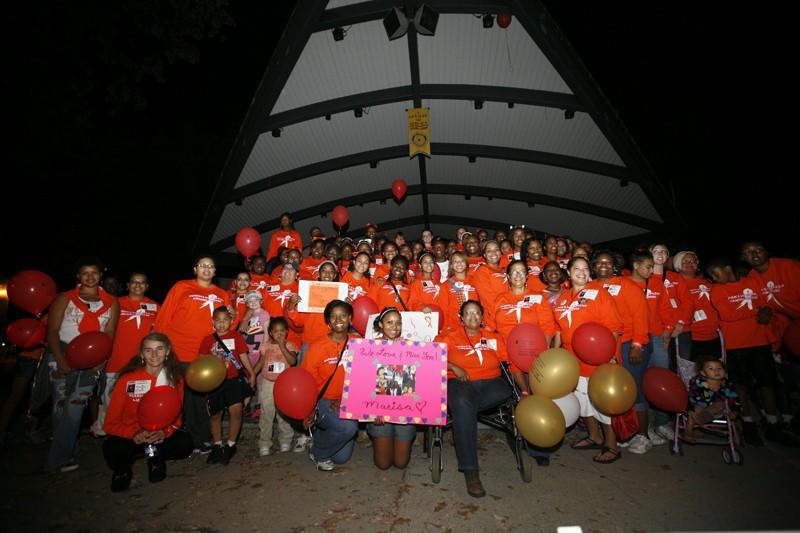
(396, 431)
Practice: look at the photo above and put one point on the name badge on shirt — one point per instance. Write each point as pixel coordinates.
(150, 307)
(613, 290)
(491, 344)
(427, 284)
(650, 295)
(276, 368)
(138, 388)
(372, 271)
(589, 294)
(273, 288)
(700, 315)
(230, 344)
(533, 299)
(673, 303)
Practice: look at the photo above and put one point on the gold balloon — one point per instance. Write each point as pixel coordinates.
(205, 373)
(540, 421)
(612, 389)
(554, 373)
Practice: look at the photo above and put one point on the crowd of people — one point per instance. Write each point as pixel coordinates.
(726, 315)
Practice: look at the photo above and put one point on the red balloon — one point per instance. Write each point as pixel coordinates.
(88, 350)
(524, 344)
(363, 306)
(665, 390)
(399, 189)
(32, 291)
(340, 215)
(438, 310)
(26, 332)
(791, 338)
(248, 241)
(593, 343)
(295, 392)
(159, 408)
(503, 20)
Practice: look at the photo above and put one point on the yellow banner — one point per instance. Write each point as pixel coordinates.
(419, 132)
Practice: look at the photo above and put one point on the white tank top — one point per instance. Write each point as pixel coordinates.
(73, 317)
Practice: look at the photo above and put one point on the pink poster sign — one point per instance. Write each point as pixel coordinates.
(404, 382)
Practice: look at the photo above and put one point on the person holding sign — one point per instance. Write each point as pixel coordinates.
(155, 365)
(333, 440)
(391, 443)
(394, 291)
(313, 324)
(474, 384)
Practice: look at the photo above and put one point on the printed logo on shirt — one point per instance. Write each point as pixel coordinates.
(613, 290)
(770, 290)
(212, 301)
(137, 389)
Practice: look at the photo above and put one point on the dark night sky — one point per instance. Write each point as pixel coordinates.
(704, 89)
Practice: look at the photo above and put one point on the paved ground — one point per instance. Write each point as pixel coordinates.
(285, 492)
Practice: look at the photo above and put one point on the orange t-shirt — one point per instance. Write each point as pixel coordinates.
(737, 304)
(309, 267)
(355, 287)
(489, 282)
(276, 297)
(705, 320)
(312, 325)
(660, 315)
(186, 316)
(529, 307)
(240, 306)
(678, 298)
(287, 239)
(479, 355)
(385, 296)
(320, 360)
(381, 271)
(458, 292)
(781, 286)
(122, 417)
(632, 308)
(588, 305)
(259, 281)
(136, 319)
(427, 291)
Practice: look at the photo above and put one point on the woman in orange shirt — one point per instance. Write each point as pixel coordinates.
(426, 290)
(357, 276)
(474, 384)
(555, 281)
(460, 288)
(394, 291)
(286, 237)
(333, 437)
(155, 365)
(581, 305)
(518, 305)
(313, 325)
(490, 278)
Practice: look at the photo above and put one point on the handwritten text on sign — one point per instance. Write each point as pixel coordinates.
(403, 382)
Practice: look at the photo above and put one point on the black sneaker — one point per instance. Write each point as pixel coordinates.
(120, 481)
(204, 449)
(228, 452)
(157, 470)
(751, 435)
(216, 455)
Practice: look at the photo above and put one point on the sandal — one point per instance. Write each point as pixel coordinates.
(586, 443)
(616, 455)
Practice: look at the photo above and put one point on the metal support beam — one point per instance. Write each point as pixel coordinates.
(440, 149)
(434, 219)
(457, 190)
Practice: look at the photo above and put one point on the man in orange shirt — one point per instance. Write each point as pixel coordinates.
(137, 313)
(744, 320)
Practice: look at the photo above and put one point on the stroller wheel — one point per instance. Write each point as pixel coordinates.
(737, 457)
(436, 462)
(676, 449)
(523, 459)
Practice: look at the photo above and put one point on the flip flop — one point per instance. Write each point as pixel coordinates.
(592, 445)
(616, 456)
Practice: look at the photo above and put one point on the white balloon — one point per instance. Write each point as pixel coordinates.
(570, 406)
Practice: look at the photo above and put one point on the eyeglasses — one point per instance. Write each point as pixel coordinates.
(207, 266)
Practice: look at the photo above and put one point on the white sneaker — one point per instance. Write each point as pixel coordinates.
(667, 431)
(301, 444)
(69, 466)
(655, 438)
(625, 444)
(264, 451)
(640, 444)
(285, 448)
(326, 465)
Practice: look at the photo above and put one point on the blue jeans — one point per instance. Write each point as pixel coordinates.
(659, 358)
(637, 371)
(333, 437)
(465, 400)
(70, 395)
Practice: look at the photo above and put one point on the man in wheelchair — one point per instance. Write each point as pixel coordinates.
(476, 384)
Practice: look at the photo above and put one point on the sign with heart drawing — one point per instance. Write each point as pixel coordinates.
(404, 382)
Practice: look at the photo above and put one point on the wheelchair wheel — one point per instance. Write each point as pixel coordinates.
(523, 459)
(436, 462)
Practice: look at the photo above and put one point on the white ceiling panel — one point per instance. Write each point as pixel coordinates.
(364, 61)
(319, 139)
(523, 126)
(541, 179)
(463, 52)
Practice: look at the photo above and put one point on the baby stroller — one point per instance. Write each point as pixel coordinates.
(721, 431)
(500, 418)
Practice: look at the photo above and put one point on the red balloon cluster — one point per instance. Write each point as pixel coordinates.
(524, 344)
(159, 408)
(32, 291)
(248, 241)
(88, 350)
(295, 393)
(665, 390)
(593, 343)
(399, 189)
(340, 215)
(363, 306)
(26, 333)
